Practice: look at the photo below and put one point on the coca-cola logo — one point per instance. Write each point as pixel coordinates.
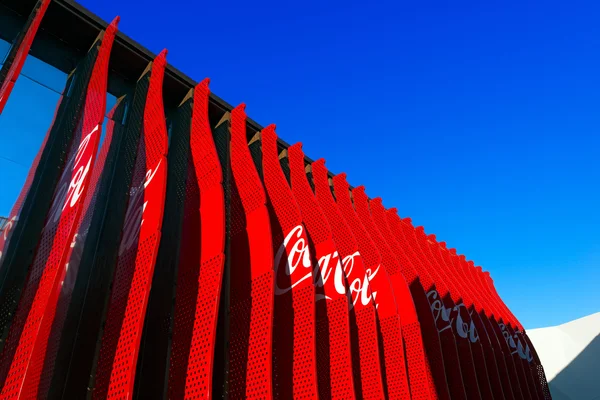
(514, 342)
(445, 317)
(70, 191)
(297, 268)
(359, 286)
(135, 211)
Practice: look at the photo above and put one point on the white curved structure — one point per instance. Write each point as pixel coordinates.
(570, 354)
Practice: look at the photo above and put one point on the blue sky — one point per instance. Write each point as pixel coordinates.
(479, 121)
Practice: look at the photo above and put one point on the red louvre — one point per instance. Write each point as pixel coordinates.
(465, 326)
(505, 332)
(363, 324)
(28, 337)
(396, 382)
(447, 340)
(389, 224)
(137, 251)
(252, 285)
(495, 330)
(522, 355)
(446, 306)
(332, 323)
(294, 351)
(463, 297)
(411, 329)
(74, 253)
(199, 278)
(18, 54)
(536, 367)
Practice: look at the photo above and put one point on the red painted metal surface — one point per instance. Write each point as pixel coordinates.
(294, 327)
(465, 326)
(200, 275)
(22, 50)
(334, 362)
(390, 329)
(26, 344)
(410, 265)
(74, 257)
(137, 252)
(411, 329)
(363, 324)
(462, 296)
(252, 276)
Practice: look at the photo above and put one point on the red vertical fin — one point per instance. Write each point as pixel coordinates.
(363, 324)
(199, 280)
(411, 329)
(435, 288)
(471, 300)
(28, 337)
(137, 251)
(294, 350)
(464, 297)
(332, 322)
(523, 351)
(487, 313)
(465, 357)
(466, 330)
(418, 281)
(16, 58)
(74, 253)
(252, 288)
(382, 293)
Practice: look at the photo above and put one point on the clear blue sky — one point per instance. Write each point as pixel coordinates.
(479, 121)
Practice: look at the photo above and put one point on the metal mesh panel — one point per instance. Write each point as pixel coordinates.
(154, 362)
(363, 328)
(199, 280)
(294, 331)
(466, 332)
(436, 386)
(27, 233)
(415, 353)
(252, 289)
(74, 257)
(334, 364)
(35, 312)
(135, 266)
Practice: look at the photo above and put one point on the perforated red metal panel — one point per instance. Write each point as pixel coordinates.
(294, 345)
(446, 308)
(493, 329)
(465, 326)
(26, 344)
(442, 320)
(74, 257)
(435, 372)
(252, 276)
(333, 332)
(413, 343)
(463, 297)
(521, 351)
(383, 294)
(201, 262)
(16, 64)
(116, 366)
(363, 326)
